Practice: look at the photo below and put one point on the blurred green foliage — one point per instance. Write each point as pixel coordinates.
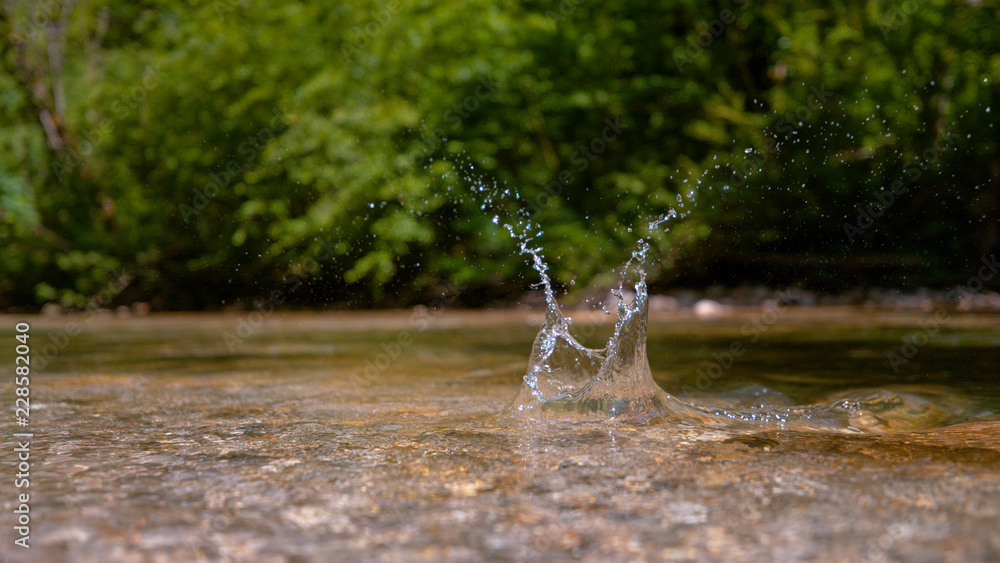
(212, 149)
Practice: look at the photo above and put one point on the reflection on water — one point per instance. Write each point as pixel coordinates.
(155, 441)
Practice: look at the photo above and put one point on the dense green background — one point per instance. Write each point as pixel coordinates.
(342, 139)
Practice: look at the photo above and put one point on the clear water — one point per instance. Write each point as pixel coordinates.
(154, 441)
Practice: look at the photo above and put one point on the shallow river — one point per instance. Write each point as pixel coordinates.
(375, 437)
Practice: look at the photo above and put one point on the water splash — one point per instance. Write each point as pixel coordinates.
(564, 375)
(567, 379)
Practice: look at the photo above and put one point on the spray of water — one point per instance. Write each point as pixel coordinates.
(566, 379)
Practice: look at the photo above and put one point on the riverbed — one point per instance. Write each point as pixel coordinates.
(376, 437)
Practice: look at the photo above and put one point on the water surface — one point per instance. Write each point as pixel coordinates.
(155, 441)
